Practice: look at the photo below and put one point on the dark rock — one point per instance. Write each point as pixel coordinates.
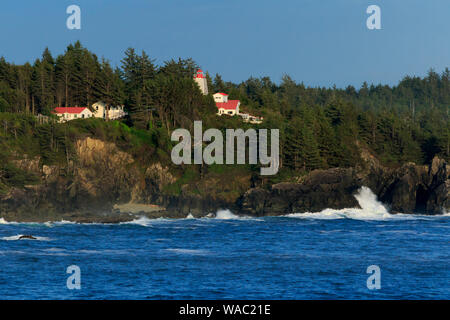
(438, 199)
(408, 189)
(253, 202)
(321, 189)
(415, 189)
(29, 237)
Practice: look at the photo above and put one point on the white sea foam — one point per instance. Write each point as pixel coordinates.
(371, 209)
(55, 250)
(106, 251)
(228, 215)
(188, 251)
(47, 224)
(62, 222)
(219, 215)
(17, 237)
(3, 221)
(142, 221)
(146, 222)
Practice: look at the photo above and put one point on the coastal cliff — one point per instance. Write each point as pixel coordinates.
(105, 184)
(408, 189)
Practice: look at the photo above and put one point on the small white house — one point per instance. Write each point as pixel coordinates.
(250, 118)
(230, 108)
(101, 110)
(72, 113)
(225, 106)
(220, 97)
(116, 112)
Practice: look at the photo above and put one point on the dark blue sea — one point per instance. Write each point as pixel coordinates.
(302, 256)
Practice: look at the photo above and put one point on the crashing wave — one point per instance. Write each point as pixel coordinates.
(228, 215)
(371, 209)
(3, 221)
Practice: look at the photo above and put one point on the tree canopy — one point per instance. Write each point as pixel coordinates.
(319, 127)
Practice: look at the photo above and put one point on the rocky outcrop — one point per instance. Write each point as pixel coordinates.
(439, 187)
(415, 189)
(408, 189)
(321, 189)
(85, 189)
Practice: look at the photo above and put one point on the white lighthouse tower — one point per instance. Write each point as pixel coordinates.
(201, 81)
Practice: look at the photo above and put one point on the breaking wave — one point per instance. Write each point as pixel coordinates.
(371, 209)
(144, 221)
(3, 221)
(226, 215)
(219, 215)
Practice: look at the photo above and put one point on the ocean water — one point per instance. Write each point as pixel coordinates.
(321, 255)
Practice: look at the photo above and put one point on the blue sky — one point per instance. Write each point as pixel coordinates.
(320, 43)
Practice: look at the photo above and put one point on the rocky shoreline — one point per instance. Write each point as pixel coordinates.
(106, 186)
(409, 189)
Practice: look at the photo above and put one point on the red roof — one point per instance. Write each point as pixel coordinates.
(199, 74)
(224, 94)
(230, 105)
(69, 110)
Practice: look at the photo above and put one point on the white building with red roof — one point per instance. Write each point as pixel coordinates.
(225, 106)
(200, 79)
(108, 112)
(72, 113)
